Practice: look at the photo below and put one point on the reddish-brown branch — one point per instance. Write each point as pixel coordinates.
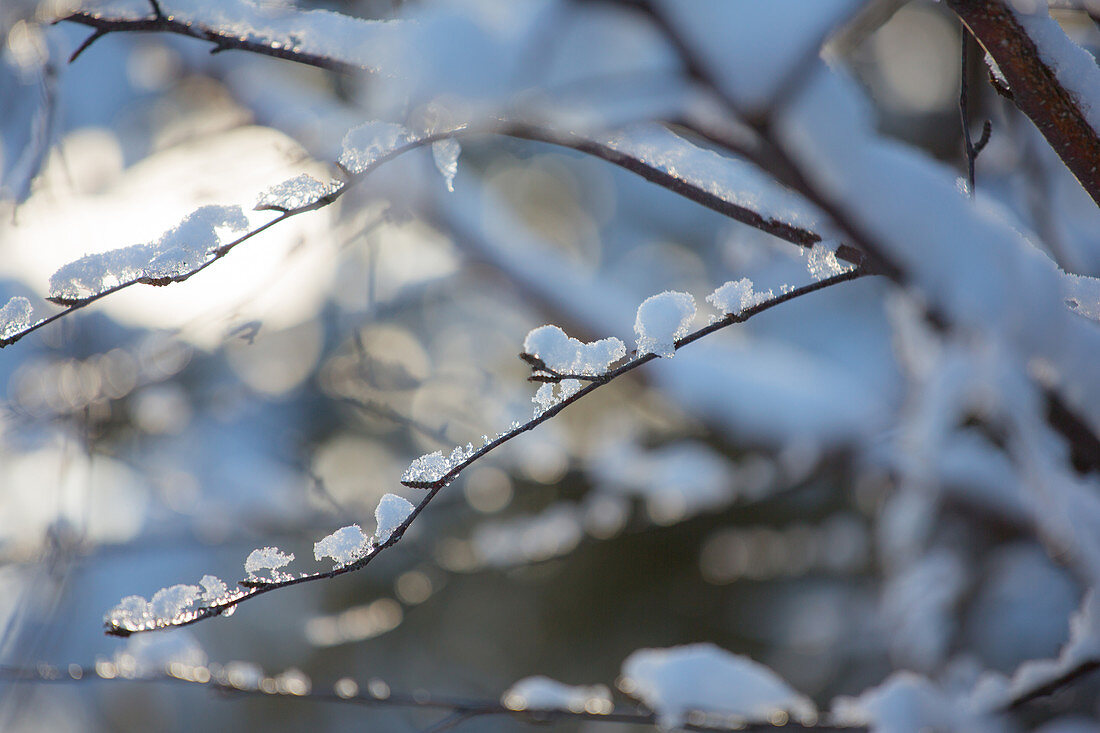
(1035, 88)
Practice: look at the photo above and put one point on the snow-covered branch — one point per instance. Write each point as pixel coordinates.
(319, 38)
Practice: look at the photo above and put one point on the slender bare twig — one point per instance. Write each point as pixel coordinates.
(971, 149)
(460, 709)
(102, 25)
(252, 588)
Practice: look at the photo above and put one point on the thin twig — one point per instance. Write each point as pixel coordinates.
(971, 149)
(222, 39)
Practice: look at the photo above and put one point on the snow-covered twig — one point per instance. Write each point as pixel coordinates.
(161, 20)
(250, 588)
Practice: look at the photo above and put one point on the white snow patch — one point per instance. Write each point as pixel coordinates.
(662, 319)
(567, 355)
(391, 512)
(344, 546)
(543, 693)
(737, 296)
(702, 677)
(180, 250)
(823, 263)
(268, 558)
(1082, 294)
(167, 603)
(213, 588)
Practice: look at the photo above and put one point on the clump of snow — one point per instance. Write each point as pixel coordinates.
(292, 194)
(344, 546)
(702, 677)
(431, 467)
(567, 355)
(543, 693)
(445, 154)
(132, 613)
(662, 319)
(737, 296)
(14, 317)
(213, 588)
(167, 603)
(426, 469)
(268, 559)
(370, 142)
(180, 250)
(391, 512)
(823, 263)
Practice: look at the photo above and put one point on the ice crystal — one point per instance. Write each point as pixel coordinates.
(213, 588)
(426, 469)
(661, 320)
(392, 510)
(344, 546)
(167, 603)
(445, 153)
(14, 316)
(367, 144)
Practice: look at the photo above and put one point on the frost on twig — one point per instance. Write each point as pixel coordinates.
(543, 693)
(295, 194)
(176, 254)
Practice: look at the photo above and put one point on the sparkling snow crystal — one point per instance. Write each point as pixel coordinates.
(268, 558)
(567, 355)
(167, 603)
(391, 512)
(178, 251)
(445, 153)
(368, 143)
(661, 320)
(823, 263)
(673, 682)
(213, 588)
(737, 296)
(426, 469)
(543, 693)
(292, 194)
(14, 316)
(344, 546)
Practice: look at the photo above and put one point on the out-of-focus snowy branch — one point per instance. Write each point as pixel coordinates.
(322, 39)
(244, 679)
